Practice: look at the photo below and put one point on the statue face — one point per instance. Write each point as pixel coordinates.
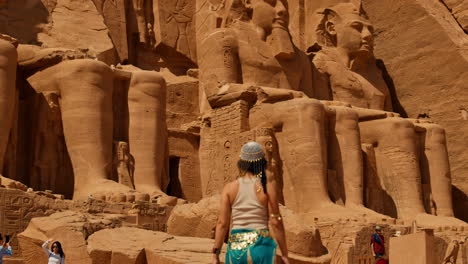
(354, 34)
(269, 13)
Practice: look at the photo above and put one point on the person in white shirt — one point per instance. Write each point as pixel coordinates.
(55, 255)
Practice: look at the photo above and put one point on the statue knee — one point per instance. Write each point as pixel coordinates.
(311, 108)
(400, 128)
(346, 119)
(88, 74)
(85, 66)
(435, 134)
(149, 83)
(8, 54)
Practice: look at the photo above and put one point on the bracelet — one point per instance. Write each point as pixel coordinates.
(216, 251)
(277, 216)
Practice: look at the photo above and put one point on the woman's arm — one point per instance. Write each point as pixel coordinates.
(44, 247)
(224, 219)
(276, 222)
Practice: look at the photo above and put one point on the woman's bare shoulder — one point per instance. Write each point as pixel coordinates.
(231, 186)
(230, 189)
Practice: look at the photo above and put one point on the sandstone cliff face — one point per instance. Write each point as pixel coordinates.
(459, 9)
(69, 24)
(425, 53)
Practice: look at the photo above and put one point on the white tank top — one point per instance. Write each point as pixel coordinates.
(247, 211)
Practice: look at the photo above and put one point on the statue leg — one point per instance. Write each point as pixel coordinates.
(86, 88)
(346, 155)
(148, 131)
(435, 151)
(8, 62)
(302, 149)
(397, 156)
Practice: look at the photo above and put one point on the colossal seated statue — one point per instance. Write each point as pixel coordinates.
(345, 70)
(251, 58)
(8, 62)
(85, 88)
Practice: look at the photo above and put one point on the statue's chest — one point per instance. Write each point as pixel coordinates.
(352, 87)
(260, 67)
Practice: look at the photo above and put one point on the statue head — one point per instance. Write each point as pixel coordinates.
(270, 17)
(345, 26)
(265, 14)
(122, 149)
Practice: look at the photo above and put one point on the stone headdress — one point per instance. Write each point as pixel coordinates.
(319, 37)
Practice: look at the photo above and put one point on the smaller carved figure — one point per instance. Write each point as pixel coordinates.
(452, 253)
(414, 227)
(432, 205)
(179, 14)
(124, 164)
(139, 7)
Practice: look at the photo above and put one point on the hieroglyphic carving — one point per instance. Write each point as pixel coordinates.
(174, 25)
(17, 208)
(227, 134)
(152, 216)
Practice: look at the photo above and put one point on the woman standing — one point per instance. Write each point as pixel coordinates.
(55, 255)
(252, 202)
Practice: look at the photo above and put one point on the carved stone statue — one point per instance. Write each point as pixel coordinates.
(252, 58)
(167, 22)
(142, 7)
(345, 71)
(8, 63)
(49, 148)
(124, 164)
(451, 254)
(86, 87)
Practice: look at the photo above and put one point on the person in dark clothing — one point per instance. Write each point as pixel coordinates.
(378, 244)
(5, 248)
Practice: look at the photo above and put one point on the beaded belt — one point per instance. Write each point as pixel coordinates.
(243, 240)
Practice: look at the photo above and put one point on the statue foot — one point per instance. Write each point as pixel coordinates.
(111, 191)
(160, 197)
(432, 221)
(369, 213)
(155, 192)
(335, 212)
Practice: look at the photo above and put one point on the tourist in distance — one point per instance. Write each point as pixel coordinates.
(55, 255)
(6, 248)
(378, 246)
(252, 202)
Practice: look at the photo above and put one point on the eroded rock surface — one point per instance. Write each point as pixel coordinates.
(67, 24)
